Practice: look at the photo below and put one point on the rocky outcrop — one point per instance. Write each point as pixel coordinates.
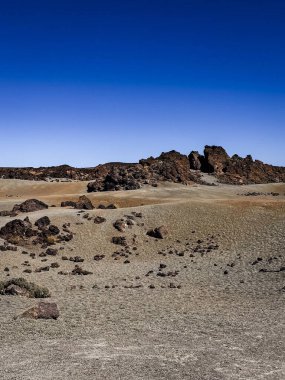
(171, 166)
(83, 203)
(196, 160)
(215, 159)
(30, 205)
(117, 176)
(235, 170)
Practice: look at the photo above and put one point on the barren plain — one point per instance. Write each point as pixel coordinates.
(205, 302)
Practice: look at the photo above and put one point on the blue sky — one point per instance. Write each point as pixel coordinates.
(86, 82)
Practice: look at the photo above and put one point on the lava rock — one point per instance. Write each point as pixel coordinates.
(30, 205)
(42, 222)
(159, 232)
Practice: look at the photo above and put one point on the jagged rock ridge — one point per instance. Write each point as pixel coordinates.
(171, 166)
(235, 169)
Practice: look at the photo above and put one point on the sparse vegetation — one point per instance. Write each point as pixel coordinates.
(33, 290)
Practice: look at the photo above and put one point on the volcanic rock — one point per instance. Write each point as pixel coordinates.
(99, 220)
(30, 205)
(120, 225)
(119, 240)
(235, 170)
(83, 203)
(42, 222)
(158, 233)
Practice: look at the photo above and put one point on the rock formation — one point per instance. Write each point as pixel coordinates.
(235, 170)
(171, 166)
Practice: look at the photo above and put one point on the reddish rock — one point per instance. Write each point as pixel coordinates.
(43, 310)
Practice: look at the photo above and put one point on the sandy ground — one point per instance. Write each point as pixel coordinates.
(215, 326)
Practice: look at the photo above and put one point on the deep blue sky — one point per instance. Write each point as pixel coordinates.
(85, 82)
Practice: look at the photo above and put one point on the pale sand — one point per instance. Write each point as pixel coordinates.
(214, 327)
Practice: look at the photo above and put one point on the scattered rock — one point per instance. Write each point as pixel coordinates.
(51, 252)
(99, 220)
(120, 225)
(158, 233)
(83, 203)
(98, 257)
(79, 271)
(119, 240)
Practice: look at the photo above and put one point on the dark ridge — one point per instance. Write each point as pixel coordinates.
(169, 166)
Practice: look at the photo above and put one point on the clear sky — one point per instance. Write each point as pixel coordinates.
(85, 82)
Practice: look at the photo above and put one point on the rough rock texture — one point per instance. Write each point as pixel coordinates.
(16, 230)
(117, 176)
(42, 222)
(42, 173)
(30, 205)
(235, 169)
(171, 166)
(159, 232)
(21, 232)
(44, 310)
(83, 203)
(196, 160)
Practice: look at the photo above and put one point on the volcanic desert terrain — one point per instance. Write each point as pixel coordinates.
(200, 298)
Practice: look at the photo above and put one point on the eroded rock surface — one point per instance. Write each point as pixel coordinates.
(43, 310)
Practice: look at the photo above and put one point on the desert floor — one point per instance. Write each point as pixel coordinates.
(225, 321)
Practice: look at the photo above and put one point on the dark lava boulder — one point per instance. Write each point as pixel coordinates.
(83, 203)
(30, 205)
(15, 230)
(158, 233)
(42, 222)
